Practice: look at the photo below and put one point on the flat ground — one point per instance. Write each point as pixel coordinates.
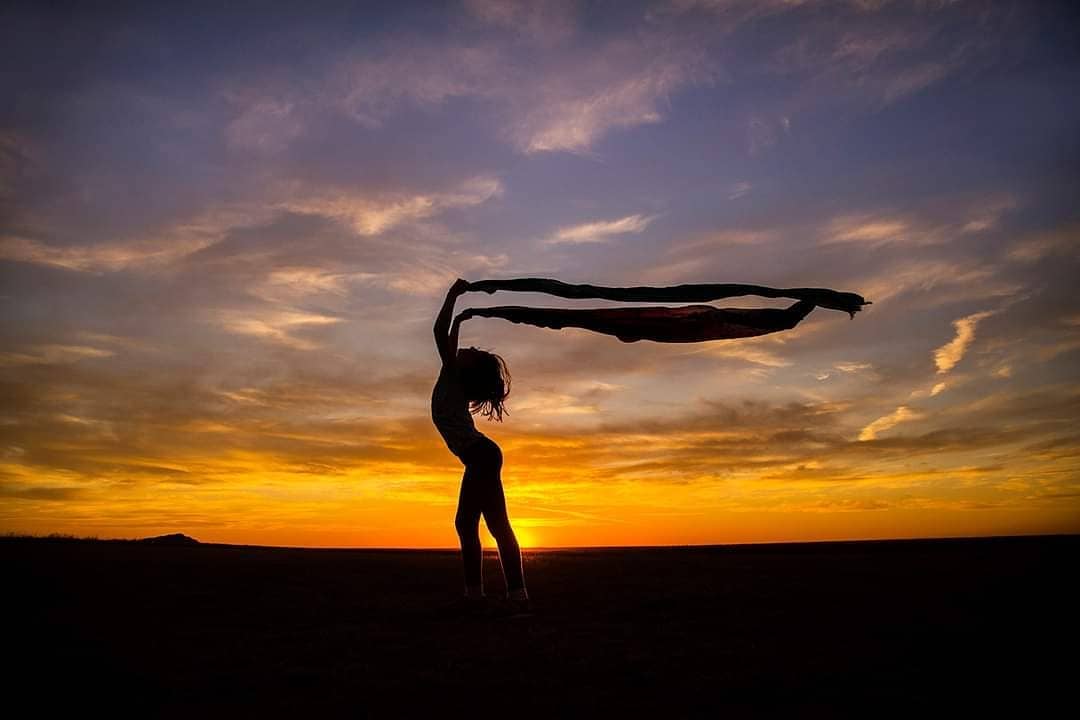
(215, 630)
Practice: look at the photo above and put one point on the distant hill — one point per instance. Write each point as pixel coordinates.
(173, 539)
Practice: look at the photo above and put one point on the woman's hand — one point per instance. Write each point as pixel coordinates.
(460, 287)
(833, 300)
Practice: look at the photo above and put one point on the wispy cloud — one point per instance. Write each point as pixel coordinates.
(265, 126)
(561, 103)
(908, 81)
(547, 23)
(1037, 246)
(911, 229)
(938, 281)
(872, 230)
(53, 355)
(749, 352)
(371, 88)
(601, 230)
(294, 283)
(154, 249)
(573, 112)
(948, 355)
(554, 403)
(278, 326)
(431, 276)
(900, 415)
(98, 258)
(374, 214)
(739, 190)
(853, 367)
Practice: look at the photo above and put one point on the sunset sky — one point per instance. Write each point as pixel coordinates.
(225, 230)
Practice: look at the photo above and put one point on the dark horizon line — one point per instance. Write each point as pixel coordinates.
(60, 537)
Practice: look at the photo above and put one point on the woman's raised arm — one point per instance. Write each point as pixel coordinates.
(446, 332)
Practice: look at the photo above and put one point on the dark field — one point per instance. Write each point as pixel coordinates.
(870, 628)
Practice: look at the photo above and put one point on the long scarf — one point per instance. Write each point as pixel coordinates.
(691, 323)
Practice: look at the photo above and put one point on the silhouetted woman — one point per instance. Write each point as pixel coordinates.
(475, 381)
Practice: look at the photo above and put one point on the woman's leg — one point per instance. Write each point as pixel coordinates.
(467, 523)
(498, 524)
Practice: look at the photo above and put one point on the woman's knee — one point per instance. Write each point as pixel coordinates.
(501, 531)
(467, 525)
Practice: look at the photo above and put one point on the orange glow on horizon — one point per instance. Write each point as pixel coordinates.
(278, 508)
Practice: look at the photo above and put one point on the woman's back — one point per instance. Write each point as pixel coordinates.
(450, 412)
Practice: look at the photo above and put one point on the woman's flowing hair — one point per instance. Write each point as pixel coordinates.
(487, 385)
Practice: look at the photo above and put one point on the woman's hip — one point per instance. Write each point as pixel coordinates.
(482, 452)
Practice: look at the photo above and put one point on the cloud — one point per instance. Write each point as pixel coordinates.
(689, 258)
(553, 403)
(853, 367)
(434, 274)
(540, 22)
(212, 234)
(571, 112)
(277, 326)
(371, 88)
(53, 355)
(561, 102)
(1056, 243)
(289, 284)
(932, 226)
(265, 126)
(859, 57)
(601, 230)
(948, 355)
(47, 493)
(866, 229)
(908, 81)
(156, 248)
(738, 190)
(89, 258)
(749, 352)
(375, 214)
(566, 101)
(938, 281)
(733, 12)
(901, 414)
